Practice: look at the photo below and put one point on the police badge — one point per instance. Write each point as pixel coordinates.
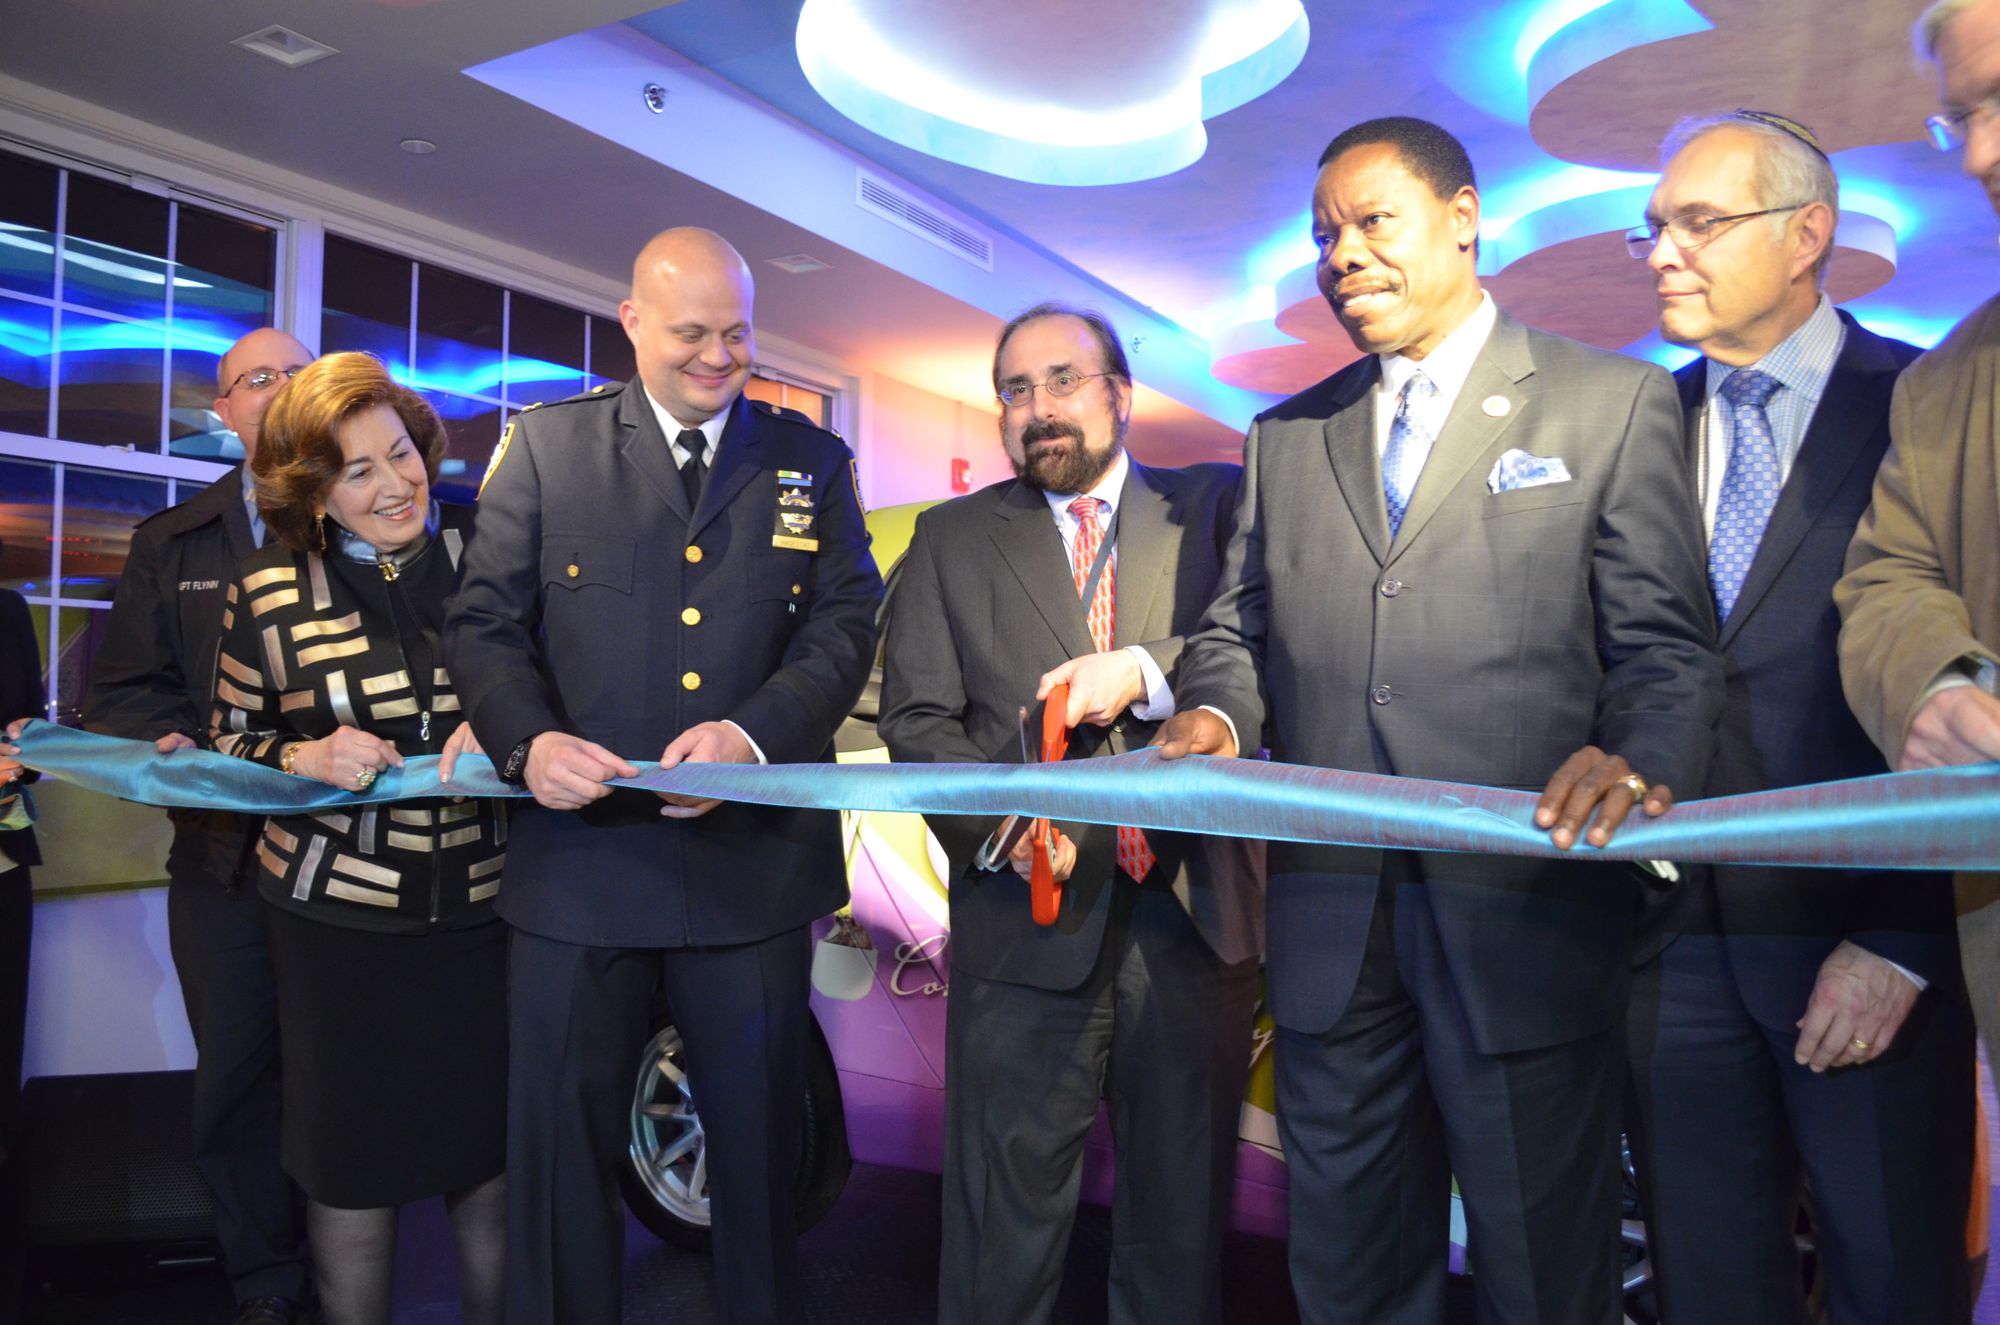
(797, 521)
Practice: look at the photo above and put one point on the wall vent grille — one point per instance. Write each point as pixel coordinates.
(878, 196)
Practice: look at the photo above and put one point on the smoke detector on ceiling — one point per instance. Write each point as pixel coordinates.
(289, 48)
(798, 264)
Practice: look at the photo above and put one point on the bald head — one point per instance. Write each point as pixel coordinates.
(238, 402)
(688, 318)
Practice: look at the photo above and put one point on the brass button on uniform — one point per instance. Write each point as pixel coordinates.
(693, 553)
(574, 570)
(690, 680)
(690, 616)
(798, 588)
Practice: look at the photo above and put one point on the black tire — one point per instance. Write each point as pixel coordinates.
(663, 1179)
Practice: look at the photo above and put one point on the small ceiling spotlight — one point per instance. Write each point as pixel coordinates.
(656, 98)
(798, 264)
(418, 146)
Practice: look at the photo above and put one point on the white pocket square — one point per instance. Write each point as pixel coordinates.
(1518, 469)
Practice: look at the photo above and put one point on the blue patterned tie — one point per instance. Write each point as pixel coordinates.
(1749, 485)
(1409, 444)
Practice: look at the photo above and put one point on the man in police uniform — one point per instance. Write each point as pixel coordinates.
(152, 681)
(667, 568)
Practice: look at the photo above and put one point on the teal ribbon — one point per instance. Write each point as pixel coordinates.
(1946, 818)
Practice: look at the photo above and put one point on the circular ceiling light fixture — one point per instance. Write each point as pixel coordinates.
(1011, 90)
(418, 146)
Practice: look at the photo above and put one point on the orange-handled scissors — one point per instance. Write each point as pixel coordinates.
(1044, 890)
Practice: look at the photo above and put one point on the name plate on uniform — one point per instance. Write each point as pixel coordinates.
(797, 524)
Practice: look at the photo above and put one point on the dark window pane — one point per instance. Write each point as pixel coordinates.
(236, 261)
(610, 353)
(110, 384)
(99, 512)
(27, 225)
(365, 301)
(27, 509)
(472, 429)
(222, 292)
(40, 613)
(114, 256)
(193, 427)
(544, 350)
(25, 345)
(81, 631)
(458, 332)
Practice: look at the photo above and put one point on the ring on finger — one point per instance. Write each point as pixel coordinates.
(364, 777)
(1860, 1045)
(1637, 785)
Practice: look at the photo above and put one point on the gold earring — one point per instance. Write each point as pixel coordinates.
(319, 527)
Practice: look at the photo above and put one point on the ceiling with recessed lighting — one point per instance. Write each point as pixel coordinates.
(952, 162)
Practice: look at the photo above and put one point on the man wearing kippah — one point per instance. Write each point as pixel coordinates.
(1792, 1026)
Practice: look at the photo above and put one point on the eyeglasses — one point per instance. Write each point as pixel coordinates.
(1690, 230)
(1060, 384)
(1950, 128)
(259, 378)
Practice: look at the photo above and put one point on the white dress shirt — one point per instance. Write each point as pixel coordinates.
(1447, 367)
(1158, 703)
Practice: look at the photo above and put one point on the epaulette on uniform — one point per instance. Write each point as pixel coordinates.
(602, 391)
(789, 415)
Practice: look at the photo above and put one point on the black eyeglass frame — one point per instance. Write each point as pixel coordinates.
(274, 374)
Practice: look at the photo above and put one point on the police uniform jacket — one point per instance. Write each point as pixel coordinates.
(314, 641)
(155, 666)
(596, 603)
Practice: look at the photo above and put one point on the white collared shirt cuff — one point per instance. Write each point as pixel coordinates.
(755, 749)
(1230, 723)
(1904, 971)
(1950, 679)
(1158, 705)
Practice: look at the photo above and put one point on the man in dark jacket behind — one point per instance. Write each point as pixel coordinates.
(151, 682)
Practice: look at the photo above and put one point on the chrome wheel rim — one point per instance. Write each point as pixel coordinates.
(669, 1150)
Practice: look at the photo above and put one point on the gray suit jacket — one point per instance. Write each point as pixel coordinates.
(1496, 635)
(984, 603)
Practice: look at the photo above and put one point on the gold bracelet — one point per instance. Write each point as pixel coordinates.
(285, 759)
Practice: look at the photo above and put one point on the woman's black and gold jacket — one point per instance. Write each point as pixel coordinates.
(313, 641)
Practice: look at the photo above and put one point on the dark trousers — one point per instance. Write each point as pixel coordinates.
(1731, 1127)
(17, 925)
(1162, 1029)
(223, 958)
(1380, 1112)
(578, 1019)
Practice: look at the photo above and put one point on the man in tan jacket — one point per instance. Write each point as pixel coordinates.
(1920, 602)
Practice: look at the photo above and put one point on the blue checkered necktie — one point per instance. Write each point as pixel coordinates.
(1410, 441)
(1749, 486)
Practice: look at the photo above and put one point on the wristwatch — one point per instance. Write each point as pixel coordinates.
(515, 769)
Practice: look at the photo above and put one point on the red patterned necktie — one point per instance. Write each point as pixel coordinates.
(1135, 857)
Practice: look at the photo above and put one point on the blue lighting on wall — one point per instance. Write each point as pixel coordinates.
(30, 340)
